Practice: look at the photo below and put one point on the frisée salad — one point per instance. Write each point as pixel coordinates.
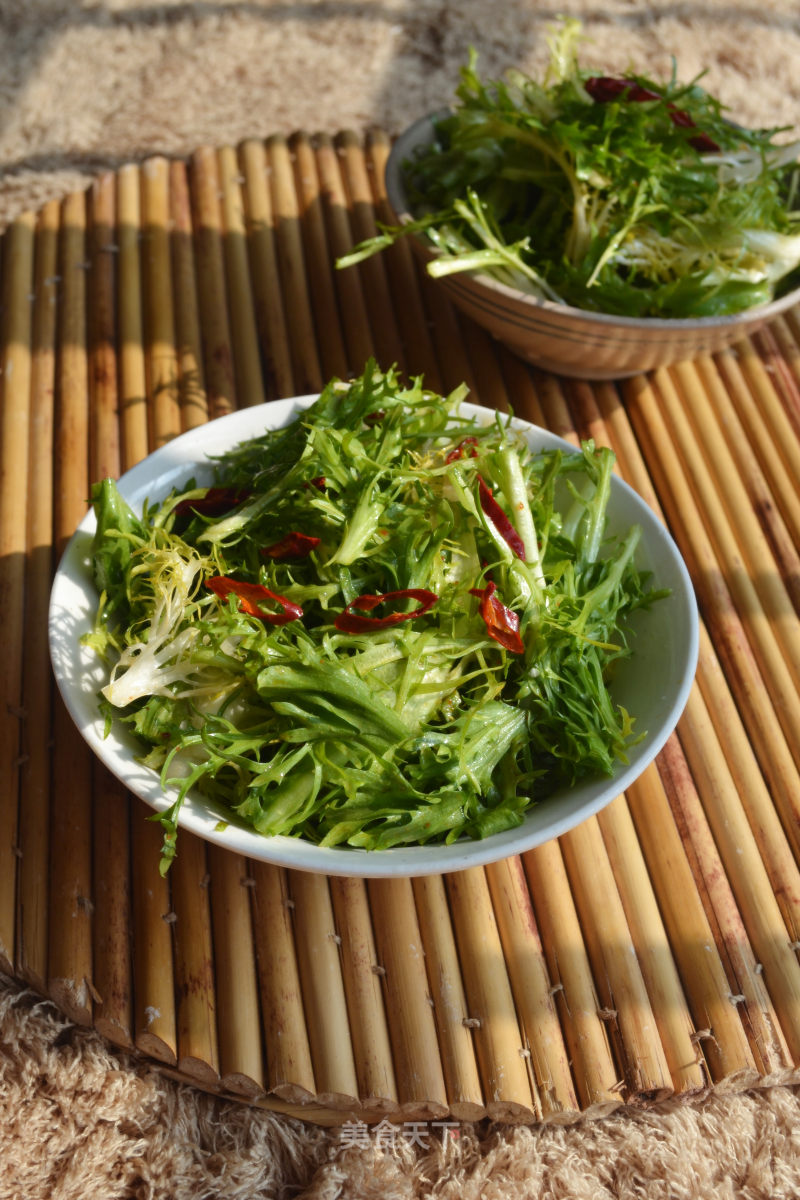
(613, 193)
(386, 623)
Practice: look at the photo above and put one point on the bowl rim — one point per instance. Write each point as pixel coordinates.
(78, 674)
(398, 200)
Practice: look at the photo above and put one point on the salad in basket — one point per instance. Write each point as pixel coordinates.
(614, 193)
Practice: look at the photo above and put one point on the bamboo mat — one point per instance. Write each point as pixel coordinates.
(650, 954)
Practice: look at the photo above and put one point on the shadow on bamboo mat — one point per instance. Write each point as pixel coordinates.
(77, 1120)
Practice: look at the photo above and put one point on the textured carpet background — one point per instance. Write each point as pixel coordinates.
(86, 84)
(90, 85)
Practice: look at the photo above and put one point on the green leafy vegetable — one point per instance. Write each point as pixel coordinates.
(401, 630)
(618, 195)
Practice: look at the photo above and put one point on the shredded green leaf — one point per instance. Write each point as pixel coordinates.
(372, 728)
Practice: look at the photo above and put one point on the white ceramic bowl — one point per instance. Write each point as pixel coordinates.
(556, 337)
(653, 685)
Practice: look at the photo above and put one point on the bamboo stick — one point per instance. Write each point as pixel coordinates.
(596, 1076)
(211, 290)
(719, 1033)
(369, 1028)
(653, 951)
(161, 359)
(583, 403)
(510, 1092)
(745, 869)
(69, 918)
(111, 965)
(523, 397)
(104, 411)
(267, 297)
(770, 743)
(323, 991)
(188, 341)
(490, 387)
(132, 378)
(774, 506)
(385, 330)
(557, 417)
(196, 1018)
(547, 1055)
(112, 974)
(615, 966)
(112, 939)
(400, 267)
(290, 1075)
(748, 993)
(244, 336)
(34, 819)
(306, 366)
(766, 416)
(241, 1059)
(330, 340)
(15, 379)
(454, 365)
(449, 1002)
(417, 1062)
(352, 304)
(154, 1018)
(620, 436)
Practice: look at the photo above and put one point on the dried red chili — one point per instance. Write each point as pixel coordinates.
(605, 88)
(502, 624)
(292, 547)
(458, 451)
(499, 519)
(252, 596)
(700, 141)
(217, 500)
(349, 621)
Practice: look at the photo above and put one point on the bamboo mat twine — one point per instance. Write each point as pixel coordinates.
(650, 954)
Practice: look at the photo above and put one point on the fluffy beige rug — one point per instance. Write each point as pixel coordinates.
(79, 1123)
(89, 84)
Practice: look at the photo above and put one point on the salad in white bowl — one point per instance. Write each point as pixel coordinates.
(374, 631)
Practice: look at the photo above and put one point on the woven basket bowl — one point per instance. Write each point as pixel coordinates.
(570, 341)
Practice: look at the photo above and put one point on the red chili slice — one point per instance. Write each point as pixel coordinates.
(502, 623)
(604, 88)
(458, 451)
(217, 500)
(292, 547)
(251, 598)
(349, 621)
(319, 482)
(499, 519)
(700, 141)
